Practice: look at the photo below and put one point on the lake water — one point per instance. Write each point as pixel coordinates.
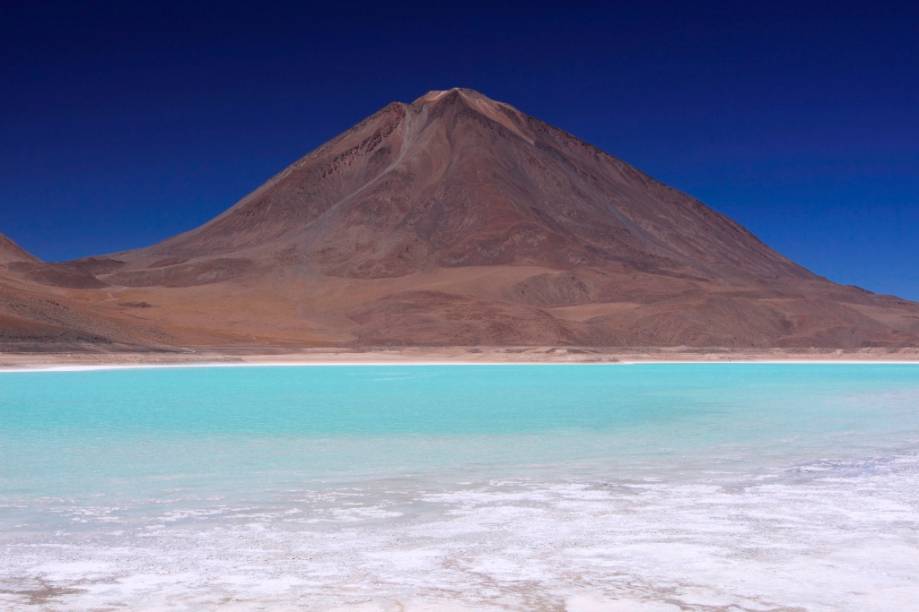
(608, 487)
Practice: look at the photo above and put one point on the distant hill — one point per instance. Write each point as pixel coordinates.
(11, 252)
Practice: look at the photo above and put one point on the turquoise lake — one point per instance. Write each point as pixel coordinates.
(612, 487)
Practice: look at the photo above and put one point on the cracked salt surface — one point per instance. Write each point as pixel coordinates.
(845, 537)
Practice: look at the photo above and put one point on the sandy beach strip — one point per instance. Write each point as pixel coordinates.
(423, 356)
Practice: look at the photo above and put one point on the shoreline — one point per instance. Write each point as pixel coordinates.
(459, 356)
(416, 364)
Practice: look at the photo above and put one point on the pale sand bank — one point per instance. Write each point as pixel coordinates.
(439, 356)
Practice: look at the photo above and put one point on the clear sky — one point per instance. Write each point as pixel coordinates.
(122, 123)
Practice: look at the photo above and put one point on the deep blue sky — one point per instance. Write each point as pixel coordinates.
(123, 123)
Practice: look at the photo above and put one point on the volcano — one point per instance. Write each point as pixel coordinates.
(458, 220)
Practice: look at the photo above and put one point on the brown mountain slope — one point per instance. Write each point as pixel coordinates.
(11, 252)
(456, 179)
(458, 220)
(41, 311)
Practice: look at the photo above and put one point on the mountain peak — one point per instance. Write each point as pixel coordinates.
(461, 99)
(455, 92)
(463, 96)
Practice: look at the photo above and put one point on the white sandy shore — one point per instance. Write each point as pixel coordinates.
(279, 364)
(414, 356)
